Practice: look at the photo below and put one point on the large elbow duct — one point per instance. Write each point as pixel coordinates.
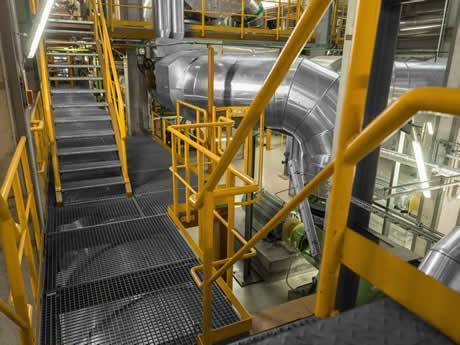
(303, 106)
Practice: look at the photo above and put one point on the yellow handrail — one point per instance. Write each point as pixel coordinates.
(16, 240)
(113, 93)
(41, 141)
(48, 113)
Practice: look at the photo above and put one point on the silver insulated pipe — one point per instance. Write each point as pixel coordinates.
(168, 18)
(304, 105)
(443, 260)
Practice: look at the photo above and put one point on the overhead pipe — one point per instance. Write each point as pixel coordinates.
(168, 18)
(304, 106)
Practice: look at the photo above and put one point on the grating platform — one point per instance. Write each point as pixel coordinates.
(85, 255)
(91, 213)
(151, 204)
(157, 306)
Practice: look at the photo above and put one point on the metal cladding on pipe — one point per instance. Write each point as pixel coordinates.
(162, 18)
(177, 19)
(408, 75)
(303, 106)
(443, 260)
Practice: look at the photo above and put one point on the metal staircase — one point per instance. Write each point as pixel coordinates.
(90, 146)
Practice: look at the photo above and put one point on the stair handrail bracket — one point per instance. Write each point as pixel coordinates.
(113, 94)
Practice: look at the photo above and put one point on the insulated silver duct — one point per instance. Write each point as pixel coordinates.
(162, 18)
(177, 19)
(217, 8)
(443, 260)
(303, 106)
(168, 18)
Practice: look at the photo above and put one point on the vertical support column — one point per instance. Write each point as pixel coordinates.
(368, 14)
(230, 181)
(206, 224)
(366, 169)
(211, 131)
(136, 94)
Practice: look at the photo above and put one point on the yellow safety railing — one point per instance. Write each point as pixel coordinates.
(276, 19)
(41, 141)
(421, 294)
(47, 111)
(192, 157)
(19, 226)
(116, 16)
(112, 87)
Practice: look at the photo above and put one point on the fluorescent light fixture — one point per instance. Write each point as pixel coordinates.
(421, 167)
(429, 127)
(39, 26)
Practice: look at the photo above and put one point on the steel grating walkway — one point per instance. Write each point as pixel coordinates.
(117, 271)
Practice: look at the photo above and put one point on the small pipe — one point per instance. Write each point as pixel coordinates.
(441, 33)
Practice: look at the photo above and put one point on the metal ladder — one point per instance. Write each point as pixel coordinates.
(87, 152)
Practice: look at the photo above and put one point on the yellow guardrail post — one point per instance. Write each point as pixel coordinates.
(367, 19)
(49, 120)
(203, 10)
(206, 223)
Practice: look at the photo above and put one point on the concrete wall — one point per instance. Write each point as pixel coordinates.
(7, 132)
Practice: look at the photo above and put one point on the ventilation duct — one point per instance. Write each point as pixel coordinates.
(304, 105)
(168, 18)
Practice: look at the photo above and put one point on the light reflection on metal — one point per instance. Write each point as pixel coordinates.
(443, 260)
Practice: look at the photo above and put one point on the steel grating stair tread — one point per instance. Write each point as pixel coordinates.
(70, 21)
(86, 166)
(60, 91)
(74, 78)
(50, 53)
(69, 32)
(380, 322)
(69, 134)
(92, 183)
(81, 150)
(82, 104)
(73, 66)
(59, 42)
(73, 119)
